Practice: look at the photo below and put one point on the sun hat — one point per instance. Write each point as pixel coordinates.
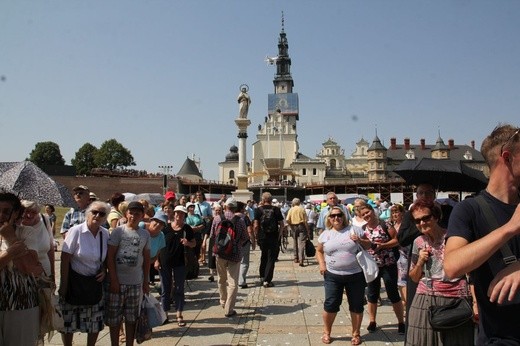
(160, 216)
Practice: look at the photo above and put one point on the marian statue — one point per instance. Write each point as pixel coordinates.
(243, 102)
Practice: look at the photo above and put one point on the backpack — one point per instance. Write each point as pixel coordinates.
(268, 222)
(226, 243)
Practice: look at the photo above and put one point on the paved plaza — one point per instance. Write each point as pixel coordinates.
(287, 314)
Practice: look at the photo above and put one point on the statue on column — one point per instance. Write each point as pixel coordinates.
(243, 101)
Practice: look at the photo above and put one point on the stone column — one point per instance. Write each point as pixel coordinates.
(242, 193)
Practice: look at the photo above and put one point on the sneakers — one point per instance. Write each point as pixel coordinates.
(244, 286)
(400, 329)
(372, 327)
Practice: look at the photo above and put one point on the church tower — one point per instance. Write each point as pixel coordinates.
(277, 147)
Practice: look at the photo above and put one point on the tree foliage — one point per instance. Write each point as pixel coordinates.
(46, 154)
(84, 160)
(112, 155)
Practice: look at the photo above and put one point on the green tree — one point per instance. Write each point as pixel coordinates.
(46, 154)
(83, 162)
(112, 155)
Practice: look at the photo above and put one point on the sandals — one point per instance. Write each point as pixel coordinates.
(356, 340)
(181, 322)
(326, 339)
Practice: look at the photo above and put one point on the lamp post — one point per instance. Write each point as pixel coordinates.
(166, 173)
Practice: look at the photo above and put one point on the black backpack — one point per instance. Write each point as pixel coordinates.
(268, 222)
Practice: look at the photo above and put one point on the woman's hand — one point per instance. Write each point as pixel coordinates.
(323, 268)
(424, 255)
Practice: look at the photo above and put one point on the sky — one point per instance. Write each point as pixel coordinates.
(162, 77)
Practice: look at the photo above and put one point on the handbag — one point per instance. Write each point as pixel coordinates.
(51, 316)
(154, 311)
(143, 331)
(368, 264)
(451, 315)
(82, 289)
(310, 250)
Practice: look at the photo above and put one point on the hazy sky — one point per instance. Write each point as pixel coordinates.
(162, 77)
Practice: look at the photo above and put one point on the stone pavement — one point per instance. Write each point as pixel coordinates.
(287, 314)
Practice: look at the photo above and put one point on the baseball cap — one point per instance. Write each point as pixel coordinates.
(181, 208)
(169, 195)
(93, 196)
(80, 187)
(136, 205)
(231, 202)
(189, 204)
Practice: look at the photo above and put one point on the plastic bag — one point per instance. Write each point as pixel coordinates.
(156, 315)
(368, 264)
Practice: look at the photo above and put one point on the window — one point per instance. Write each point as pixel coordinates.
(314, 171)
(304, 171)
(231, 174)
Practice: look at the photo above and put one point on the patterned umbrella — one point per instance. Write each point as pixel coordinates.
(28, 181)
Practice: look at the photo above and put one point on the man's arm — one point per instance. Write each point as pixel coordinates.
(407, 232)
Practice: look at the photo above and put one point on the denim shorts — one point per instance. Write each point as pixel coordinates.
(335, 285)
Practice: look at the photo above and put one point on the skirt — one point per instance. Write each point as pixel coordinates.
(419, 331)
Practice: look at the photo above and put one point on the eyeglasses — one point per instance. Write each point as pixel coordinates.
(425, 218)
(510, 138)
(79, 193)
(98, 213)
(335, 215)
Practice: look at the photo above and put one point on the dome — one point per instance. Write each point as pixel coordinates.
(233, 154)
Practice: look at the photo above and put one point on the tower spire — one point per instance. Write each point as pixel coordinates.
(283, 23)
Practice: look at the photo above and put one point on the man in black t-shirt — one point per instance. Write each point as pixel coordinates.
(474, 246)
(267, 225)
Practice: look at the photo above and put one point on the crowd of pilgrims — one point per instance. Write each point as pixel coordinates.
(400, 240)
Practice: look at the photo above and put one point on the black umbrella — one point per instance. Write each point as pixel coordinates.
(29, 182)
(444, 175)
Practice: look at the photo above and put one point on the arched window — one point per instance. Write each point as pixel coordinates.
(333, 164)
(231, 174)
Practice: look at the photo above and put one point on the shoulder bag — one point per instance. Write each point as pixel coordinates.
(82, 289)
(449, 316)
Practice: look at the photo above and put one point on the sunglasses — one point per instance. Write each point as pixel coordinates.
(509, 139)
(425, 218)
(79, 193)
(335, 215)
(98, 213)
